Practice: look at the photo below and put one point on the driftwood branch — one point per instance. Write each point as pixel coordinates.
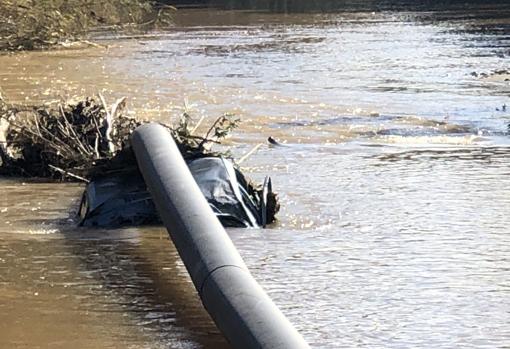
(108, 122)
(250, 153)
(67, 173)
(197, 125)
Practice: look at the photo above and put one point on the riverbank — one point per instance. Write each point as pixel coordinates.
(29, 24)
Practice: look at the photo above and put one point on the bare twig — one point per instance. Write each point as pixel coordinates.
(108, 124)
(4, 126)
(67, 173)
(250, 153)
(36, 122)
(117, 106)
(216, 122)
(40, 136)
(74, 135)
(96, 146)
(197, 125)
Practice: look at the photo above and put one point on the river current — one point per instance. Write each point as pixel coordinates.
(393, 178)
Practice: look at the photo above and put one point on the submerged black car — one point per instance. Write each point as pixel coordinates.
(123, 200)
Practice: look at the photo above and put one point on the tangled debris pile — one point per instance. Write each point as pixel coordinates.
(82, 140)
(89, 141)
(63, 142)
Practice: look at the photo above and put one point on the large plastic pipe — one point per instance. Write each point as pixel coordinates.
(237, 304)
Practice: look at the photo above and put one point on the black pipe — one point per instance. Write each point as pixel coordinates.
(237, 304)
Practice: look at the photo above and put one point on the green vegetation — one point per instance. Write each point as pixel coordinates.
(34, 24)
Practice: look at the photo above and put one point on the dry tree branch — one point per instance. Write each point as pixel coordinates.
(67, 173)
(250, 153)
(109, 124)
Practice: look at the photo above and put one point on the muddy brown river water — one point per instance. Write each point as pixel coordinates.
(394, 181)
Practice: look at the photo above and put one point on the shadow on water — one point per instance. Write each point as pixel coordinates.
(484, 154)
(347, 5)
(146, 276)
(62, 285)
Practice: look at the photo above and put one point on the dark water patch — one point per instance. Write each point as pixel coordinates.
(279, 44)
(147, 279)
(119, 291)
(97, 288)
(287, 6)
(411, 132)
(387, 125)
(484, 154)
(337, 120)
